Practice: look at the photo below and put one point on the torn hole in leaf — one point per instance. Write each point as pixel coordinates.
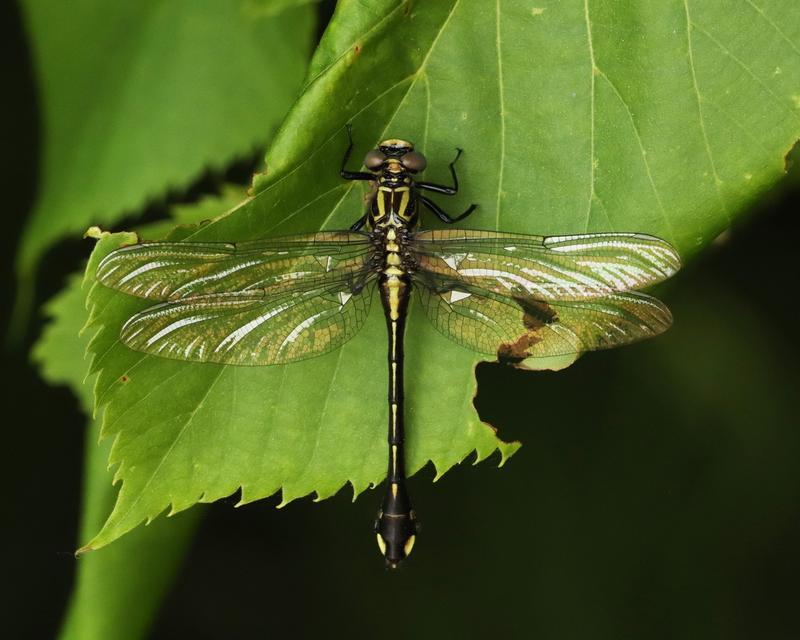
(791, 161)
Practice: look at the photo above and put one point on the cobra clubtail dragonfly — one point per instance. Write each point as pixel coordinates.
(284, 299)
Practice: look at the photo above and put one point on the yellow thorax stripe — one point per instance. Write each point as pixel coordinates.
(381, 208)
(404, 203)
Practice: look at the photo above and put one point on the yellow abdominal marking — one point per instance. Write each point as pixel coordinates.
(409, 545)
(382, 543)
(394, 286)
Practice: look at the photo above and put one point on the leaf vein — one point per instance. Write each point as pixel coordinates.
(501, 98)
(749, 71)
(171, 447)
(703, 132)
(777, 29)
(643, 152)
(320, 421)
(592, 68)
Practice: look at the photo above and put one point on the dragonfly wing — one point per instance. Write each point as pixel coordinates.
(518, 328)
(171, 270)
(254, 327)
(576, 267)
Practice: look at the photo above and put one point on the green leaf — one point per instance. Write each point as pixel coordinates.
(138, 98)
(652, 117)
(140, 568)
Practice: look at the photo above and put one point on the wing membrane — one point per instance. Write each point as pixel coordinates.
(254, 327)
(171, 270)
(517, 328)
(555, 268)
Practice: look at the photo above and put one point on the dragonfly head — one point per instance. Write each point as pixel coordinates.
(396, 157)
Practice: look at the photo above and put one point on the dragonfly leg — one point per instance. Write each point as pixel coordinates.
(441, 188)
(352, 175)
(358, 224)
(442, 214)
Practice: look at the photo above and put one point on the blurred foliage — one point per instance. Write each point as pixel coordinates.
(137, 99)
(178, 90)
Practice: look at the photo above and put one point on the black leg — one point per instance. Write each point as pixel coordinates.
(358, 224)
(352, 175)
(441, 188)
(436, 188)
(441, 214)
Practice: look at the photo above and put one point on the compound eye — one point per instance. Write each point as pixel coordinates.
(414, 161)
(374, 160)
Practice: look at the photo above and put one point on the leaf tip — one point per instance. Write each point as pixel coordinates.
(441, 469)
(359, 488)
(507, 451)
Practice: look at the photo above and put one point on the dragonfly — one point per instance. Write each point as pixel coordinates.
(278, 300)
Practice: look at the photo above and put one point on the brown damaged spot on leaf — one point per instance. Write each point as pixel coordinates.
(357, 49)
(515, 352)
(263, 172)
(490, 425)
(535, 317)
(257, 175)
(124, 379)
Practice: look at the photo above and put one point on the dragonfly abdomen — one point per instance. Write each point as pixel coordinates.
(396, 527)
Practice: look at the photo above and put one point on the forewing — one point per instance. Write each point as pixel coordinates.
(172, 270)
(515, 329)
(555, 268)
(254, 327)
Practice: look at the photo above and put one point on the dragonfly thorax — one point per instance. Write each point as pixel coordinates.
(394, 163)
(393, 205)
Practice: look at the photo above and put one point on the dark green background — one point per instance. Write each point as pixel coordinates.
(657, 494)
